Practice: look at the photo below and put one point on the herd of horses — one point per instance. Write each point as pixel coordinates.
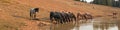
(63, 17)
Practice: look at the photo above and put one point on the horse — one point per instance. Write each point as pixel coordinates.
(80, 16)
(68, 16)
(56, 16)
(88, 16)
(64, 16)
(71, 16)
(84, 16)
(114, 15)
(33, 12)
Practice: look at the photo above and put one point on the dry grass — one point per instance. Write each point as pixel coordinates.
(14, 14)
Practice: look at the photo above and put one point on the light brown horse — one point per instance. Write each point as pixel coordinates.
(84, 16)
(114, 15)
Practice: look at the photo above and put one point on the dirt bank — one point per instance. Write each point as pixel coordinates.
(14, 14)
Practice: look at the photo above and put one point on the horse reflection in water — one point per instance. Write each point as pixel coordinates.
(68, 26)
(101, 24)
(62, 26)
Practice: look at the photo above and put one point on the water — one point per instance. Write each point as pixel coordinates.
(95, 24)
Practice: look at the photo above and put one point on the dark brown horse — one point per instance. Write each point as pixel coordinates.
(72, 17)
(114, 15)
(80, 16)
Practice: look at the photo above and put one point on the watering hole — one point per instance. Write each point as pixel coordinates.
(102, 23)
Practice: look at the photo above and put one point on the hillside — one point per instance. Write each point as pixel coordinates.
(14, 14)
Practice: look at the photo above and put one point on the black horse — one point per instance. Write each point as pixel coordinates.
(33, 13)
(56, 16)
(72, 17)
(65, 16)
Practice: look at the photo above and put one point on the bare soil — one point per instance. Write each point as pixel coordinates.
(14, 14)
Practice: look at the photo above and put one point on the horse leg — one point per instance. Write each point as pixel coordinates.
(81, 17)
(68, 19)
(85, 17)
(35, 16)
(91, 17)
(74, 19)
(60, 20)
(56, 20)
(31, 16)
(78, 18)
(51, 18)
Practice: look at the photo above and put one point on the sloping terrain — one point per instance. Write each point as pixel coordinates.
(14, 14)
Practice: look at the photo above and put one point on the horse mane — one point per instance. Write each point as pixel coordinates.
(36, 9)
